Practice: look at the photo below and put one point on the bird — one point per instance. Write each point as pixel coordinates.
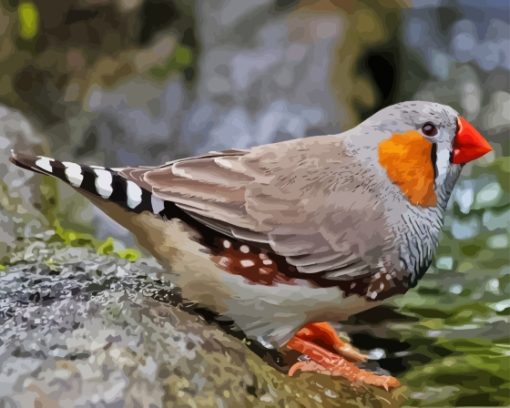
(285, 237)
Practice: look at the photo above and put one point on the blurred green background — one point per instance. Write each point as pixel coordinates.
(142, 81)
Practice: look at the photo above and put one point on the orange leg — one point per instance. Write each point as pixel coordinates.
(323, 334)
(326, 362)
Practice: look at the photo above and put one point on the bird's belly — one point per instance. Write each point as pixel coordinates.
(273, 312)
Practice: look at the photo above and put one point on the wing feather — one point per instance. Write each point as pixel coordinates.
(284, 195)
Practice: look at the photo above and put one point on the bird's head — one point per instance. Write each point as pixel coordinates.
(423, 146)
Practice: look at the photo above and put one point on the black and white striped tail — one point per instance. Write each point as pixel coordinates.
(100, 181)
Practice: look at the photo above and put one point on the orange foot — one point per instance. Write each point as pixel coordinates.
(314, 339)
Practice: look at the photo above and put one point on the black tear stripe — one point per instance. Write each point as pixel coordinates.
(433, 157)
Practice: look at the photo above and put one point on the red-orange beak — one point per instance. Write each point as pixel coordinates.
(468, 144)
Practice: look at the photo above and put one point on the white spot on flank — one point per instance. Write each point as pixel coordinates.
(388, 276)
(224, 261)
(377, 275)
(226, 243)
(246, 263)
(381, 286)
(267, 262)
(103, 182)
(73, 173)
(372, 295)
(353, 285)
(157, 204)
(262, 255)
(245, 249)
(134, 194)
(44, 163)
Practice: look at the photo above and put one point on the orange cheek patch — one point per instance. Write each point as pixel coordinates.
(406, 157)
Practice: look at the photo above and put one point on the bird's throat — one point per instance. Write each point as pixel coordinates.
(406, 157)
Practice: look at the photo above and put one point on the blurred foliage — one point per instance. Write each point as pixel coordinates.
(181, 59)
(28, 20)
(51, 56)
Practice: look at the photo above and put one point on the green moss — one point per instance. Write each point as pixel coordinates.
(79, 239)
(130, 254)
(106, 247)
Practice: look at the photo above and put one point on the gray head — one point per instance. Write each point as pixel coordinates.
(453, 140)
(421, 147)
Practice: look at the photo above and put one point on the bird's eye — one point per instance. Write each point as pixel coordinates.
(429, 129)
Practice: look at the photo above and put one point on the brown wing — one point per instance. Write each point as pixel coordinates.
(298, 197)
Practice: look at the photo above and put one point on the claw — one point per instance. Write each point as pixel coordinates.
(325, 362)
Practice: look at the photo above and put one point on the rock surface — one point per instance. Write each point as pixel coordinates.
(21, 195)
(82, 329)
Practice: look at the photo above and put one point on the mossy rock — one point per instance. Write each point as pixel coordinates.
(83, 328)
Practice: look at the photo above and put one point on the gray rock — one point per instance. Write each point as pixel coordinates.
(21, 196)
(88, 330)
